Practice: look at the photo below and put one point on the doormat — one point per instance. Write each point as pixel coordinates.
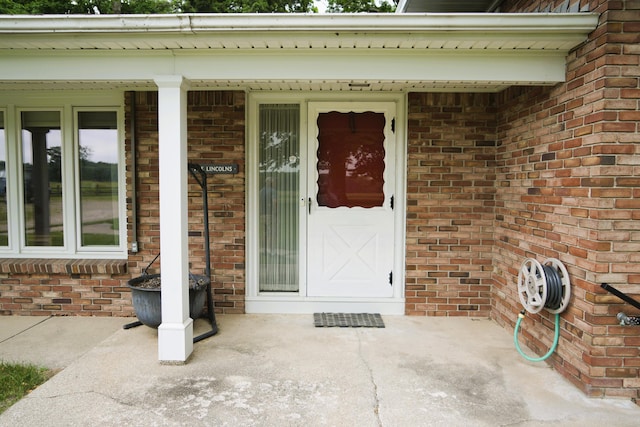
(348, 320)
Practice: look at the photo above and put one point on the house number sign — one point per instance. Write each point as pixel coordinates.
(220, 169)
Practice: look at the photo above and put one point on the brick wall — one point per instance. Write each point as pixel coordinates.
(46, 287)
(216, 126)
(450, 202)
(568, 186)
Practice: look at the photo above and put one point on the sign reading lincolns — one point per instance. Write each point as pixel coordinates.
(220, 169)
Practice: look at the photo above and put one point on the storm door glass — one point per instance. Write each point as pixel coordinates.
(98, 161)
(4, 228)
(279, 178)
(350, 159)
(42, 178)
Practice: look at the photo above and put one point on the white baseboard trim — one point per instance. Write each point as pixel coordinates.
(274, 305)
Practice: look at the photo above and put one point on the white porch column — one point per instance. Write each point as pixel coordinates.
(175, 334)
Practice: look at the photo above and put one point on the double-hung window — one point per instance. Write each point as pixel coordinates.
(62, 182)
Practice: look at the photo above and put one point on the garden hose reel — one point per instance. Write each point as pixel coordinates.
(541, 286)
(544, 285)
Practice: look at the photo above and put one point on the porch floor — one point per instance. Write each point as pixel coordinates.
(277, 370)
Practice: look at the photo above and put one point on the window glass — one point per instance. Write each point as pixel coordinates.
(42, 178)
(350, 159)
(98, 170)
(4, 228)
(279, 177)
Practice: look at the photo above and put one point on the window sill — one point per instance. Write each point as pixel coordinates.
(62, 266)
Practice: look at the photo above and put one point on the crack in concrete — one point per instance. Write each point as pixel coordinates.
(376, 397)
(25, 330)
(81, 393)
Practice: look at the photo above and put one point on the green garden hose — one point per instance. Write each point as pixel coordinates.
(551, 350)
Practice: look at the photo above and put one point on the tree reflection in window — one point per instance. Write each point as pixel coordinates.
(351, 159)
(98, 169)
(42, 178)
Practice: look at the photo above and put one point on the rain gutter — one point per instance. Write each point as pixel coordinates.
(566, 23)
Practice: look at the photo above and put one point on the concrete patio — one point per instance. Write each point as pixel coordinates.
(280, 370)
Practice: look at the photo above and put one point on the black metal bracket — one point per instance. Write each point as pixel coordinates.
(623, 318)
(621, 295)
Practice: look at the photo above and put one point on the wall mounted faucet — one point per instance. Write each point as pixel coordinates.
(628, 320)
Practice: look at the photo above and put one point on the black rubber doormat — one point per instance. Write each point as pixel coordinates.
(348, 320)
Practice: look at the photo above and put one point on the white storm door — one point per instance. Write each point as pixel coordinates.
(350, 206)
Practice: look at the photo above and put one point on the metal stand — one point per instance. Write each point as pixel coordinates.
(201, 178)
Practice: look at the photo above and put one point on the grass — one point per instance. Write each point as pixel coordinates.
(17, 380)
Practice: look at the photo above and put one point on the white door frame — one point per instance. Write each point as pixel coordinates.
(256, 302)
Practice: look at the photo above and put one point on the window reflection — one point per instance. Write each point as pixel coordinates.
(98, 160)
(42, 178)
(350, 159)
(279, 177)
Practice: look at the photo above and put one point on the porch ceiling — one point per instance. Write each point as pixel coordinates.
(44, 52)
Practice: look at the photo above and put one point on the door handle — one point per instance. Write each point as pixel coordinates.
(309, 205)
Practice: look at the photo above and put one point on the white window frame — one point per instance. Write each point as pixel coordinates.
(69, 106)
(252, 197)
(121, 182)
(17, 185)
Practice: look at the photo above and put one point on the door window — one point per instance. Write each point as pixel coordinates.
(350, 159)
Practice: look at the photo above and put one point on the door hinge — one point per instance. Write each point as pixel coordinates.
(393, 125)
(391, 202)
(391, 278)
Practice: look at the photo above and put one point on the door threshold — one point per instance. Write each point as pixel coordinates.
(275, 305)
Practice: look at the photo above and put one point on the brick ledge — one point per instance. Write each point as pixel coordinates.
(62, 266)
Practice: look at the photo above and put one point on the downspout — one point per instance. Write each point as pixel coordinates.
(134, 175)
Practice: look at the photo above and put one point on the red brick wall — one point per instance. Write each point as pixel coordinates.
(216, 127)
(568, 185)
(450, 202)
(46, 287)
(216, 124)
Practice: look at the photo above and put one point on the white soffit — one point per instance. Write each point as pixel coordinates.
(60, 44)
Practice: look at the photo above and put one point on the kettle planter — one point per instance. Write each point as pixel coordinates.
(146, 297)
